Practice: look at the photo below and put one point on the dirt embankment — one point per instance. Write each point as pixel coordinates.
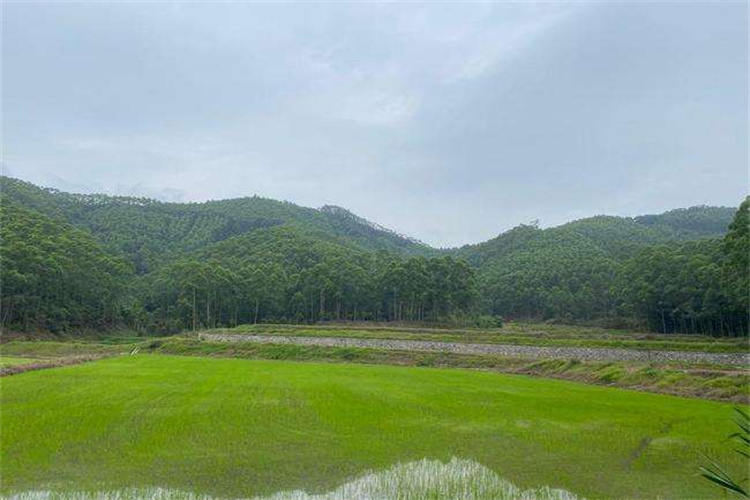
(518, 351)
(50, 363)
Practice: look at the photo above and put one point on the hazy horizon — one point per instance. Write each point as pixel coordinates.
(449, 123)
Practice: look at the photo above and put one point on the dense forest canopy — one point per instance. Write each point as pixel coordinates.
(54, 275)
(95, 261)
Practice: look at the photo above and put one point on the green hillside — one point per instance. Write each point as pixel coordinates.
(150, 232)
(221, 263)
(614, 236)
(579, 271)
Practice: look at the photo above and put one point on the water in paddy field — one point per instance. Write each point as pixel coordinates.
(422, 480)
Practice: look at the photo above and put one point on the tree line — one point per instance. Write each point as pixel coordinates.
(54, 276)
(285, 276)
(70, 262)
(696, 286)
(57, 277)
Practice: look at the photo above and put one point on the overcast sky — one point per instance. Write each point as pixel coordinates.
(450, 122)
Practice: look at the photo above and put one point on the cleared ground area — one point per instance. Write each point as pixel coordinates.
(533, 334)
(525, 351)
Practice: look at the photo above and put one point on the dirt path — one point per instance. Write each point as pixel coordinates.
(517, 351)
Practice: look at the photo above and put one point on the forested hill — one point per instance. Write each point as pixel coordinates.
(586, 270)
(615, 236)
(148, 231)
(72, 261)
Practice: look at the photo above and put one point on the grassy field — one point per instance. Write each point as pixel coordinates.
(705, 381)
(46, 349)
(513, 333)
(231, 427)
(716, 382)
(8, 361)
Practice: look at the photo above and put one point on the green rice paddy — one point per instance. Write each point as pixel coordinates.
(241, 428)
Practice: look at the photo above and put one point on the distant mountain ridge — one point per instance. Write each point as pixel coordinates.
(341, 214)
(614, 236)
(147, 230)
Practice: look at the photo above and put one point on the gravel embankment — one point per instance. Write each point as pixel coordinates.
(518, 351)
